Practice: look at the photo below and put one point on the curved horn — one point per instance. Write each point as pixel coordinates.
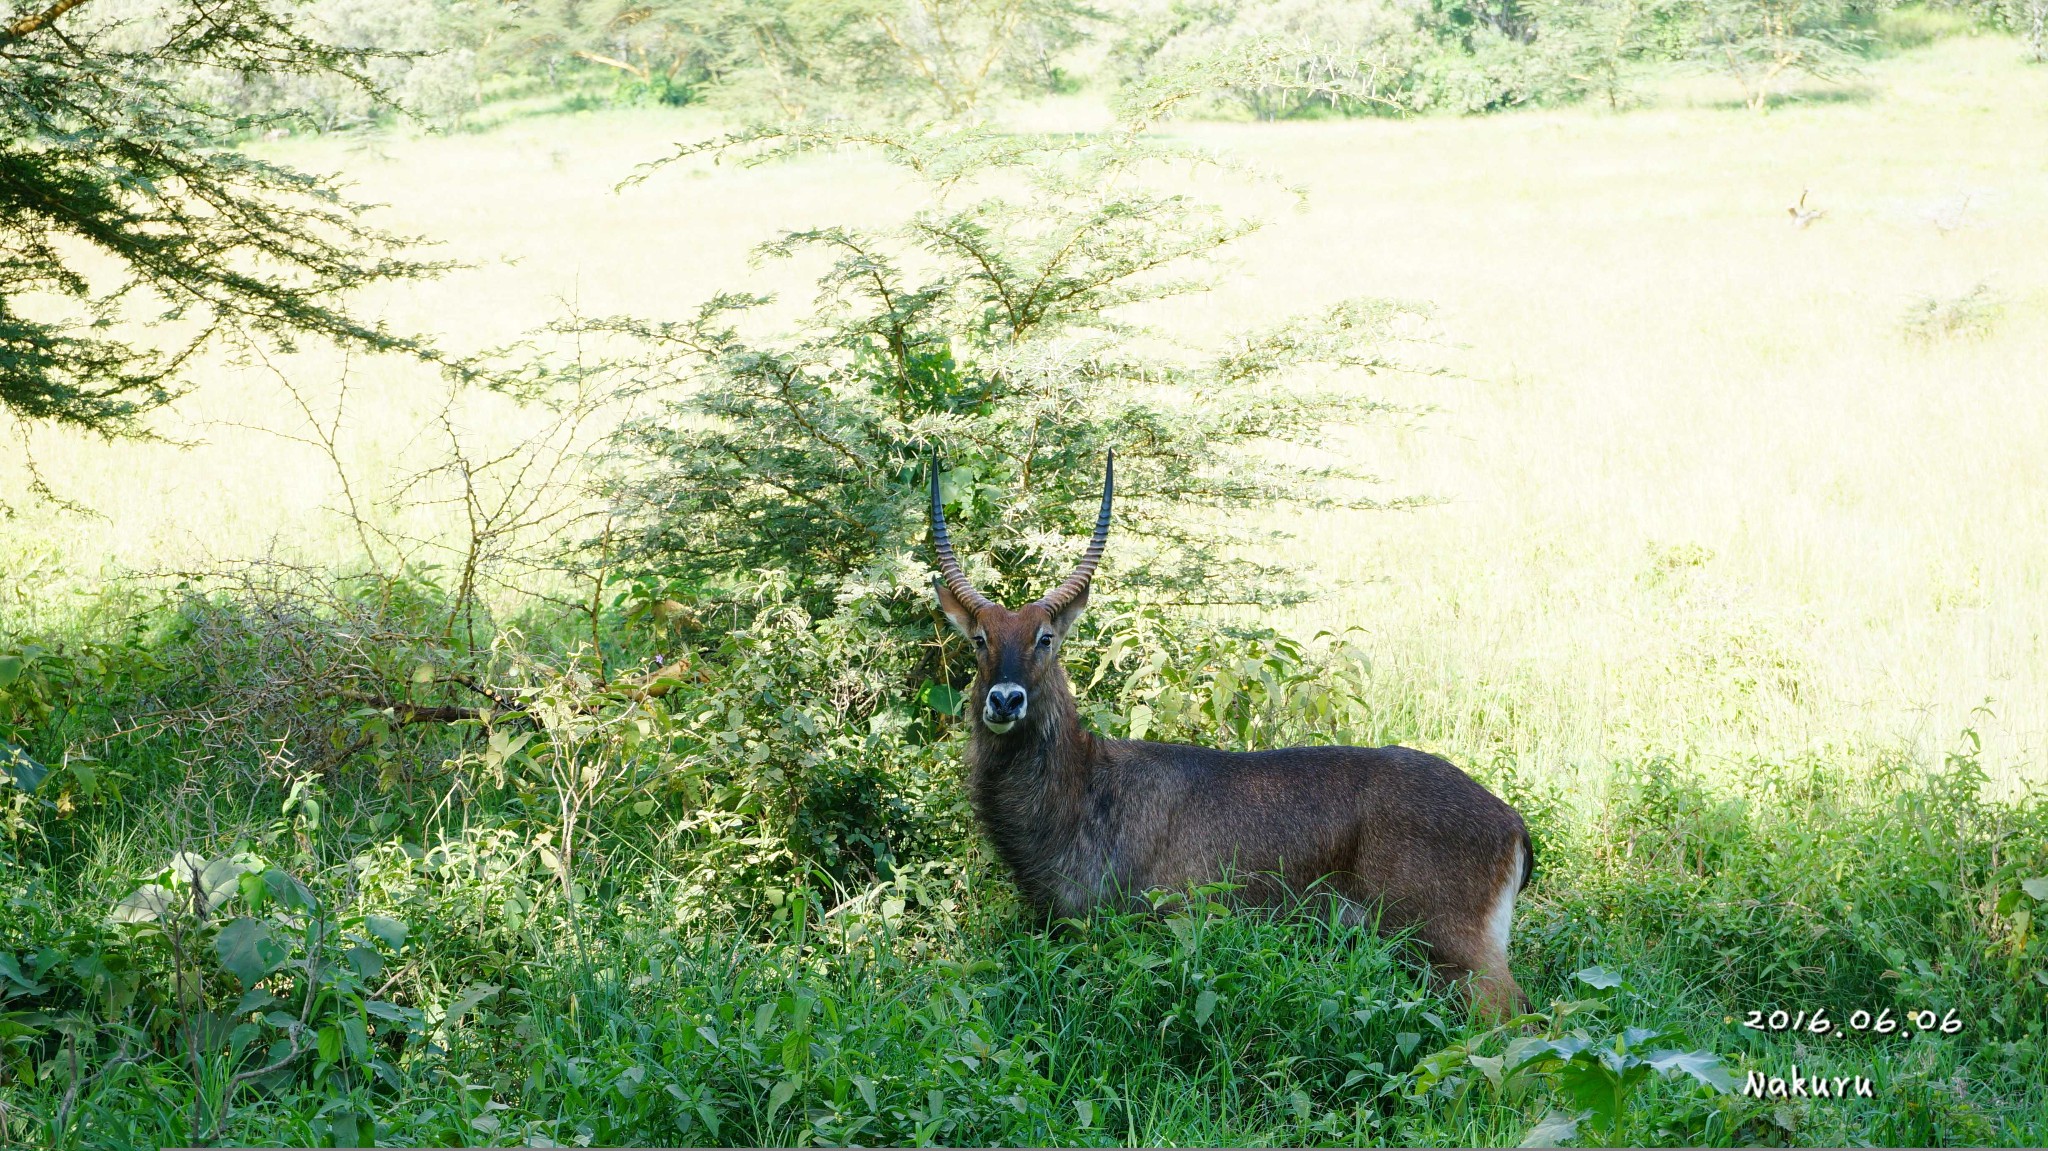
(1077, 583)
(949, 566)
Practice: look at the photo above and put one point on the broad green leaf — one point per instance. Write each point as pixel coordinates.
(219, 881)
(391, 931)
(466, 1002)
(255, 1000)
(10, 669)
(2038, 887)
(19, 769)
(1141, 720)
(11, 969)
(1525, 1050)
(1594, 1088)
(288, 891)
(1555, 1130)
(366, 961)
(1205, 1006)
(356, 1037)
(944, 699)
(146, 904)
(248, 950)
(186, 867)
(329, 1044)
(241, 1037)
(1704, 1066)
(779, 1096)
(348, 1127)
(1598, 977)
(391, 1012)
(1634, 1038)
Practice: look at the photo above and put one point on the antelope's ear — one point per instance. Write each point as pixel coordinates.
(956, 612)
(1063, 619)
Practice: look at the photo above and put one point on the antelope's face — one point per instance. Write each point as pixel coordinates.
(1016, 653)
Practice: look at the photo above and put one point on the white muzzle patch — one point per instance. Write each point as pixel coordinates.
(1001, 719)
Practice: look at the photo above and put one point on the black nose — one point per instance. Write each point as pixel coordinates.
(1004, 702)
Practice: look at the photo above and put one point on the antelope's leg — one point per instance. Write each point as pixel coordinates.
(1473, 948)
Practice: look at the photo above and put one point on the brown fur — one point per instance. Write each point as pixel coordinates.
(1084, 821)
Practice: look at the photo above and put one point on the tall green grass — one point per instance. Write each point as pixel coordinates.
(925, 1010)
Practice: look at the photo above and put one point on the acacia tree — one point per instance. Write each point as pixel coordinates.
(1760, 43)
(772, 498)
(1010, 348)
(134, 236)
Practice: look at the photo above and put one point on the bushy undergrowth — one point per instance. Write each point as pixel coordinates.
(552, 930)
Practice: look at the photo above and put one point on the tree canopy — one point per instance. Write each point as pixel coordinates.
(134, 235)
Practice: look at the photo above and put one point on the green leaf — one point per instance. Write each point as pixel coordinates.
(241, 1037)
(779, 1096)
(11, 969)
(329, 1044)
(1598, 977)
(1704, 1066)
(1635, 1038)
(255, 1000)
(288, 891)
(367, 963)
(186, 867)
(17, 768)
(391, 1012)
(219, 881)
(356, 1036)
(1595, 1089)
(1205, 1006)
(146, 904)
(1555, 1130)
(391, 931)
(248, 950)
(942, 698)
(10, 669)
(466, 1002)
(866, 1087)
(2038, 887)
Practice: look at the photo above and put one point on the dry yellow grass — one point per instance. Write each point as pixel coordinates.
(1701, 496)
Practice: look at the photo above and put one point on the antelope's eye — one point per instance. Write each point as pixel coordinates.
(1045, 640)
(981, 642)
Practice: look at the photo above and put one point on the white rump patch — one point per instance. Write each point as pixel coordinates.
(1502, 920)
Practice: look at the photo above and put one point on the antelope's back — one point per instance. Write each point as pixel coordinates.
(1408, 825)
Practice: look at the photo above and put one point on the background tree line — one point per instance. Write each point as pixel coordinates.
(452, 60)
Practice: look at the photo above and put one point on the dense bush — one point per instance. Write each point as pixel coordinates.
(320, 956)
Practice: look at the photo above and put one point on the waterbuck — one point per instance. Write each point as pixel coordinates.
(1084, 821)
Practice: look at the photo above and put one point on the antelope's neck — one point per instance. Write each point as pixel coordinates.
(1030, 787)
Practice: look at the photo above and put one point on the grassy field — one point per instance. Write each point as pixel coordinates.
(1697, 478)
(1728, 556)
